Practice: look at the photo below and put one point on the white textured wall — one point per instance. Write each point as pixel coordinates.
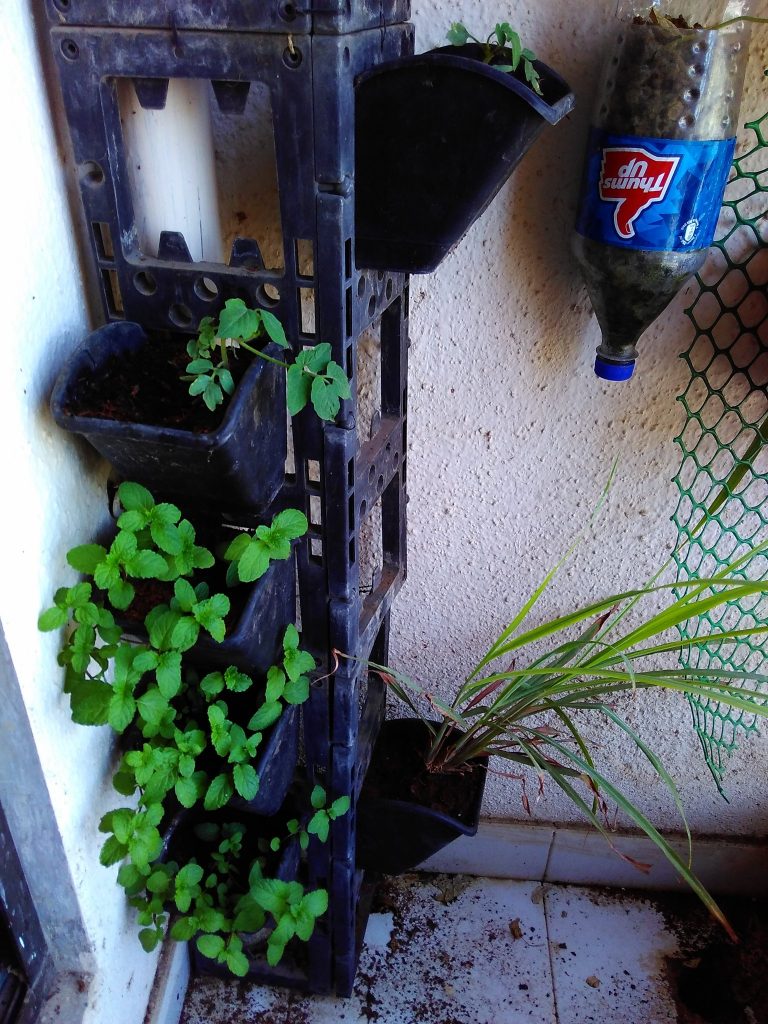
(53, 498)
(512, 436)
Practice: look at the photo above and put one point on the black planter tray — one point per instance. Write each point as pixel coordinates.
(394, 836)
(437, 135)
(255, 643)
(238, 466)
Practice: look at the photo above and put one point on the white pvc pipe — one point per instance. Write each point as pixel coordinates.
(172, 169)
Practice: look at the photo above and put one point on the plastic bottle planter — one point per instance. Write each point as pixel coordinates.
(437, 135)
(239, 465)
(396, 834)
(657, 164)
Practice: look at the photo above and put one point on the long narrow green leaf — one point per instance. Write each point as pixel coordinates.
(658, 767)
(536, 595)
(642, 822)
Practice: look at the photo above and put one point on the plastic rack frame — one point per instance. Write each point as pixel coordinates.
(309, 58)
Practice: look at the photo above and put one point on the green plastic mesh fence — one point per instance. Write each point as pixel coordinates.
(723, 479)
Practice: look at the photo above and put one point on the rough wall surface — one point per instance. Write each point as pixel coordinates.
(53, 498)
(512, 439)
(512, 436)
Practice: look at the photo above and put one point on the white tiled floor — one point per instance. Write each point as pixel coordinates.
(459, 950)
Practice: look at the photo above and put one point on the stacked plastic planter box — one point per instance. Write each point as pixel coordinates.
(309, 60)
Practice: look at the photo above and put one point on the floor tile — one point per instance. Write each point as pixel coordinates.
(439, 950)
(609, 957)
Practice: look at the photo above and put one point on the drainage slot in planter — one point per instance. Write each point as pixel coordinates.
(237, 464)
(437, 135)
(405, 813)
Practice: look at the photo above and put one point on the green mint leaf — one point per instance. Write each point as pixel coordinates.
(316, 903)
(253, 563)
(134, 521)
(246, 781)
(122, 708)
(237, 962)
(184, 929)
(291, 523)
(210, 945)
(120, 594)
(297, 663)
(267, 715)
(212, 684)
(339, 807)
(275, 684)
(112, 852)
(146, 565)
(189, 791)
(236, 681)
(86, 557)
(319, 825)
(169, 674)
(53, 618)
(89, 701)
(149, 938)
(318, 798)
(134, 496)
(152, 706)
(220, 792)
(185, 634)
(297, 691)
(167, 537)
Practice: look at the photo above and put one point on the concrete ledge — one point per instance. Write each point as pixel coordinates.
(582, 857)
(166, 1000)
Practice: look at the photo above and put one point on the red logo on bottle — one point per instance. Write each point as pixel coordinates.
(634, 179)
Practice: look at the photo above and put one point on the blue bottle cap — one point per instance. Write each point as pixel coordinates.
(613, 371)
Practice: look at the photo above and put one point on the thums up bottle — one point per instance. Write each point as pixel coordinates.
(659, 155)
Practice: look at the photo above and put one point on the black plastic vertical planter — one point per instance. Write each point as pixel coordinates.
(395, 835)
(240, 465)
(437, 135)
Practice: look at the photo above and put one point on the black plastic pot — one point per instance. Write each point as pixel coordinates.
(276, 766)
(396, 835)
(437, 135)
(180, 839)
(236, 467)
(255, 643)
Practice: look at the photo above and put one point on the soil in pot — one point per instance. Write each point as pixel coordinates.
(398, 771)
(144, 388)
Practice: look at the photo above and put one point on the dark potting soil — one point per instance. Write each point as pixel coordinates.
(398, 771)
(146, 387)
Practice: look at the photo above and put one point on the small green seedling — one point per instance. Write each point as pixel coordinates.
(314, 376)
(503, 49)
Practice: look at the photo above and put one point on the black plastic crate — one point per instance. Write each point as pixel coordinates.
(339, 480)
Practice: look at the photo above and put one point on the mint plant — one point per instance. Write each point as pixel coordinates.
(186, 745)
(313, 376)
(503, 49)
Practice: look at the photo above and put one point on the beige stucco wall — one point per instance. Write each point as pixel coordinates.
(53, 498)
(512, 436)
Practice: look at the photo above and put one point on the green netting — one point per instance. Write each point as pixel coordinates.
(725, 458)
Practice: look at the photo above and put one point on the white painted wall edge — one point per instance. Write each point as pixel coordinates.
(580, 857)
(166, 1000)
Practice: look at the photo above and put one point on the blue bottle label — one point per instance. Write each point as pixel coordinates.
(662, 194)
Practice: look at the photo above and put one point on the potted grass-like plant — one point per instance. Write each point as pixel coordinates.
(466, 115)
(533, 717)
